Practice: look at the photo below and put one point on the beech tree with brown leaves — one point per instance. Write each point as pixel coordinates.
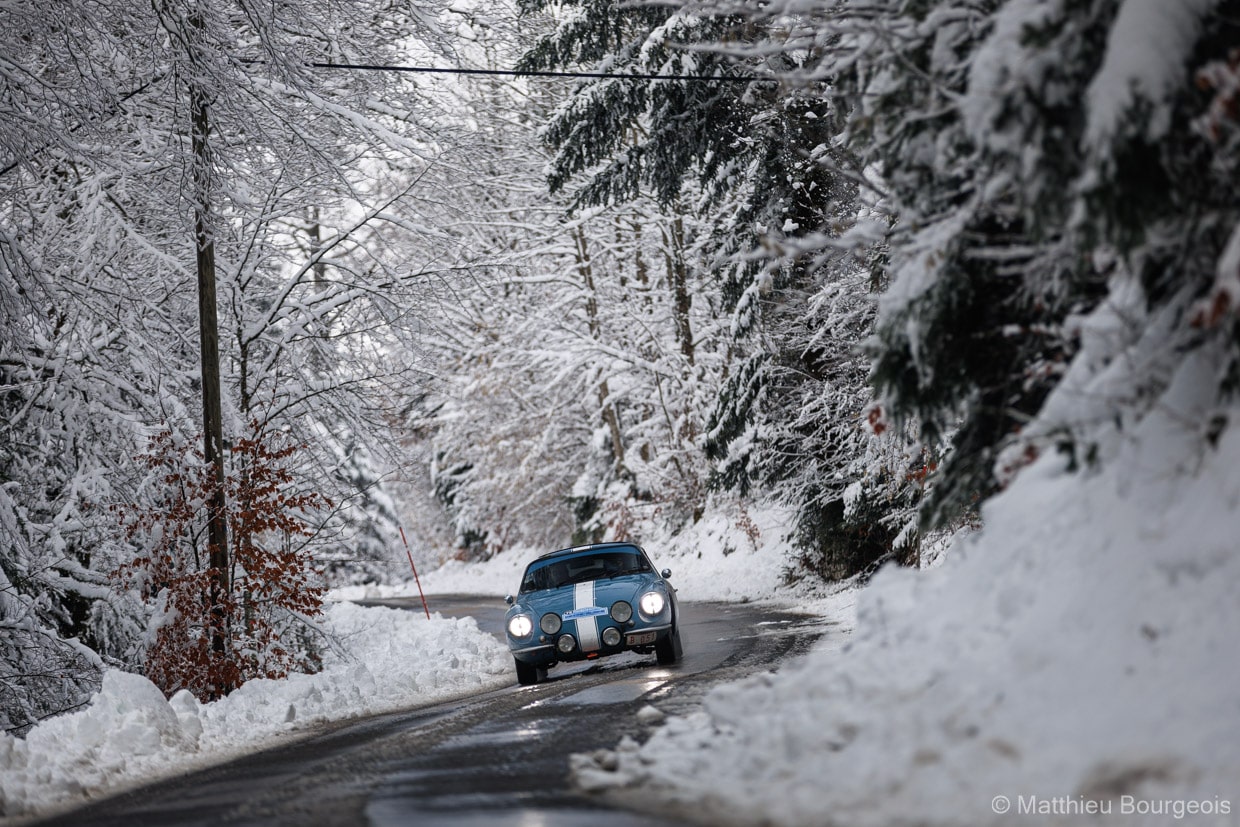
(273, 585)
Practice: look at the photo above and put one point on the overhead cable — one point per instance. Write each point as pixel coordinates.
(515, 73)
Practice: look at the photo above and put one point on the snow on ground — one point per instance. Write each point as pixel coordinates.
(388, 660)
(1074, 662)
(1076, 656)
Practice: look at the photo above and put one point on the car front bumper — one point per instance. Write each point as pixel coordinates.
(544, 653)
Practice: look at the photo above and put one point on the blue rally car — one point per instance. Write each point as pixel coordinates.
(588, 602)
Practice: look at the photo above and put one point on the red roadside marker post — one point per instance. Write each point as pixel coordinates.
(416, 579)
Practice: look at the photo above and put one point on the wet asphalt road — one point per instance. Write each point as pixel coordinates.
(498, 758)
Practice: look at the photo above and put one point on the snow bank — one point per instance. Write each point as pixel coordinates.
(1077, 655)
(130, 733)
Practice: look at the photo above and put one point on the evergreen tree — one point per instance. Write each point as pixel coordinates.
(1048, 187)
(759, 161)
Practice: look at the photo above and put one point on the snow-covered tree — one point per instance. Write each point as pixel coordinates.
(1055, 168)
(749, 150)
(566, 398)
(306, 170)
(566, 395)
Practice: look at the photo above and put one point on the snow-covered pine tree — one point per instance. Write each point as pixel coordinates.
(760, 163)
(88, 285)
(1061, 216)
(623, 144)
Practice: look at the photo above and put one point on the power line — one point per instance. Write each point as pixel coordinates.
(512, 73)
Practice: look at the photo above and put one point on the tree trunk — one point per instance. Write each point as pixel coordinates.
(607, 409)
(678, 281)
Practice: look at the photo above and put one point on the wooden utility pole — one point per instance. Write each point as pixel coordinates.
(209, 337)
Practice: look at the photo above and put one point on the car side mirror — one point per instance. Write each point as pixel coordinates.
(666, 574)
(508, 599)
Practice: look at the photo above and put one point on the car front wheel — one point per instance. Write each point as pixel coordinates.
(528, 675)
(668, 650)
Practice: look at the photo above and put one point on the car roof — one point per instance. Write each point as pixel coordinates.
(588, 547)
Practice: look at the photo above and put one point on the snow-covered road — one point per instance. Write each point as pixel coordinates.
(502, 755)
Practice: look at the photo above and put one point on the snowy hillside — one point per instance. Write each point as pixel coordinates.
(1076, 656)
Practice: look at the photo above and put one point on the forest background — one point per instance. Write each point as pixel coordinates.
(886, 257)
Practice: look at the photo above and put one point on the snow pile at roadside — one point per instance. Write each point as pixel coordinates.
(1076, 656)
(732, 554)
(130, 733)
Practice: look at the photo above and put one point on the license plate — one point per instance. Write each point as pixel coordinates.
(641, 638)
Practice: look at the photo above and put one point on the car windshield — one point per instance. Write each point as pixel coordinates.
(596, 565)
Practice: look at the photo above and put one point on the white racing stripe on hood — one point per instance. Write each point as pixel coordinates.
(587, 627)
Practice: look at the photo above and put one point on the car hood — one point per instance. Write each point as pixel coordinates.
(603, 592)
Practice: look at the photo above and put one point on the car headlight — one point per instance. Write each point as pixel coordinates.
(520, 626)
(550, 623)
(611, 636)
(621, 612)
(652, 603)
(566, 644)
